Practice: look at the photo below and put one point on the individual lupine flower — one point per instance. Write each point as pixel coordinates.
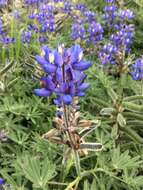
(124, 37)
(47, 9)
(67, 8)
(126, 14)
(48, 25)
(32, 27)
(65, 75)
(6, 40)
(16, 14)
(26, 36)
(32, 16)
(3, 3)
(110, 14)
(58, 1)
(137, 69)
(110, 8)
(95, 32)
(2, 181)
(31, 2)
(43, 39)
(80, 7)
(110, 11)
(110, 1)
(107, 54)
(78, 30)
(1, 27)
(89, 16)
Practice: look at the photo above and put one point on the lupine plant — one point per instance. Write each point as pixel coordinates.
(64, 76)
(71, 115)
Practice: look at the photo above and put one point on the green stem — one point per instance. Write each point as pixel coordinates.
(3, 54)
(91, 172)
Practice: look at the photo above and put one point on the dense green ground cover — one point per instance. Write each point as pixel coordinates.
(28, 162)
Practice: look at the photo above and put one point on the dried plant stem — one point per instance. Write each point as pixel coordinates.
(66, 122)
(71, 138)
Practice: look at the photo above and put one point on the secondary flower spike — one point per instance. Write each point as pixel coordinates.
(64, 73)
(137, 69)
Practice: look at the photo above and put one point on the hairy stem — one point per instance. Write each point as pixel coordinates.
(76, 156)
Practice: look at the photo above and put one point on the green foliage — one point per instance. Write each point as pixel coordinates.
(27, 162)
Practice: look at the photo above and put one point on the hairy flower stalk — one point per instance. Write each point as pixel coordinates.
(64, 77)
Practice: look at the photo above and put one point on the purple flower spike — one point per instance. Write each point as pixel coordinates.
(64, 74)
(137, 69)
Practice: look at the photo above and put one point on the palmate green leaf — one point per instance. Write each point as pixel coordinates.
(47, 171)
(18, 136)
(132, 180)
(37, 171)
(10, 105)
(124, 160)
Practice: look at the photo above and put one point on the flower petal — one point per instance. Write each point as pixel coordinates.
(83, 86)
(81, 66)
(67, 99)
(76, 53)
(48, 83)
(80, 94)
(49, 68)
(41, 60)
(42, 92)
(58, 58)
